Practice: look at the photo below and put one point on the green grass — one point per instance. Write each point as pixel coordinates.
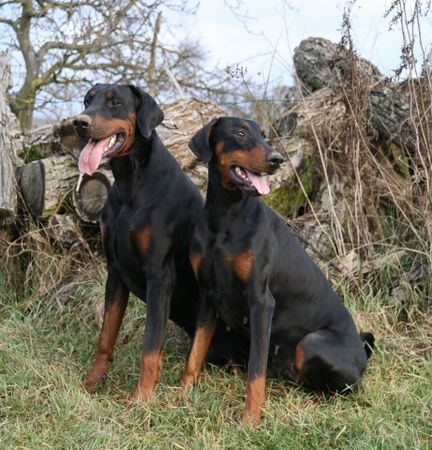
(45, 353)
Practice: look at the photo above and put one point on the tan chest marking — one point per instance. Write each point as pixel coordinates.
(141, 239)
(241, 264)
(195, 259)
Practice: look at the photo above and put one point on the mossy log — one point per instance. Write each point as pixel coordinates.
(395, 109)
(320, 63)
(57, 138)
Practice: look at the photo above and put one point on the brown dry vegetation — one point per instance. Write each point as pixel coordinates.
(378, 227)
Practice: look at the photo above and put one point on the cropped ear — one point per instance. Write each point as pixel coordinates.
(200, 142)
(149, 115)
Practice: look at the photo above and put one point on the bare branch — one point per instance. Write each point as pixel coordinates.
(74, 42)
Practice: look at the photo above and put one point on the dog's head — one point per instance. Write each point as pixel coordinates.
(112, 116)
(239, 150)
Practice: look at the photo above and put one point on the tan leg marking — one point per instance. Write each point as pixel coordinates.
(299, 358)
(151, 364)
(196, 261)
(254, 400)
(112, 320)
(200, 346)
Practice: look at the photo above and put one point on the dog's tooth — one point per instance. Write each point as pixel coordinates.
(276, 350)
(245, 320)
(228, 328)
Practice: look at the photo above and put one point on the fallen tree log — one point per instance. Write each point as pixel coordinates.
(57, 138)
(51, 185)
(320, 63)
(396, 110)
(46, 183)
(328, 163)
(90, 194)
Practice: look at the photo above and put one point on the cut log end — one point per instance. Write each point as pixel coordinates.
(90, 196)
(32, 182)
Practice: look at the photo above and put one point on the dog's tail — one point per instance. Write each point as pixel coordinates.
(368, 340)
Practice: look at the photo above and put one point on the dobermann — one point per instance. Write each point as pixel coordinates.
(254, 274)
(146, 225)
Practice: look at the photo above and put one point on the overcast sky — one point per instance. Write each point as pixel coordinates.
(276, 27)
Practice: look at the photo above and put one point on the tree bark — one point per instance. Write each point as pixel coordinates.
(8, 185)
(320, 63)
(46, 183)
(51, 185)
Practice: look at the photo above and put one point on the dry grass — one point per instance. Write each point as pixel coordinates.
(45, 353)
(49, 323)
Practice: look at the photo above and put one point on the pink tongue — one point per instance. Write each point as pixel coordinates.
(91, 155)
(259, 182)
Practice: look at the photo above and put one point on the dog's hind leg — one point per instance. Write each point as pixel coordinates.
(328, 361)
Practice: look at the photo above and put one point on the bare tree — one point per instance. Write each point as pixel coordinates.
(63, 45)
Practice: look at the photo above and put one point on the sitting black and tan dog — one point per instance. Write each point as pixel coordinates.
(146, 224)
(254, 274)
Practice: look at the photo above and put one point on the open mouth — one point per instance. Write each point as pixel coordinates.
(97, 151)
(250, 182)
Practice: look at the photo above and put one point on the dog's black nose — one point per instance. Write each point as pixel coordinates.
(275, 159)
(82, 121)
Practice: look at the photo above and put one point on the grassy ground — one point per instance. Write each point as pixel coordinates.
(45, 353)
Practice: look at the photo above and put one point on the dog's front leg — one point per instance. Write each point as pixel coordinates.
(261, 314)
(159, 292)
(116, 299)
(204, 332)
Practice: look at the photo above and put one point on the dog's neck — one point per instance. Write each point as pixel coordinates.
(221, 202)
(143, 165)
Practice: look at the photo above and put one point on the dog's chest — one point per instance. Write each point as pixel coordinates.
(125, 249)
(225, 269)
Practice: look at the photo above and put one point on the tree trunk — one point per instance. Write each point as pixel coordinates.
(8, 186)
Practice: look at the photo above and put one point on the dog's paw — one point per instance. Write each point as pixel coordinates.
(251, 418)
(93, 381)
(142, 394)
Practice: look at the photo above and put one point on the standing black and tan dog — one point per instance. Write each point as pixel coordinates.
(146, 224)
(255, 275)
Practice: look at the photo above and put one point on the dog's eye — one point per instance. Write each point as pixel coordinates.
(240, 133)
(87, 100)
(115, 102)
